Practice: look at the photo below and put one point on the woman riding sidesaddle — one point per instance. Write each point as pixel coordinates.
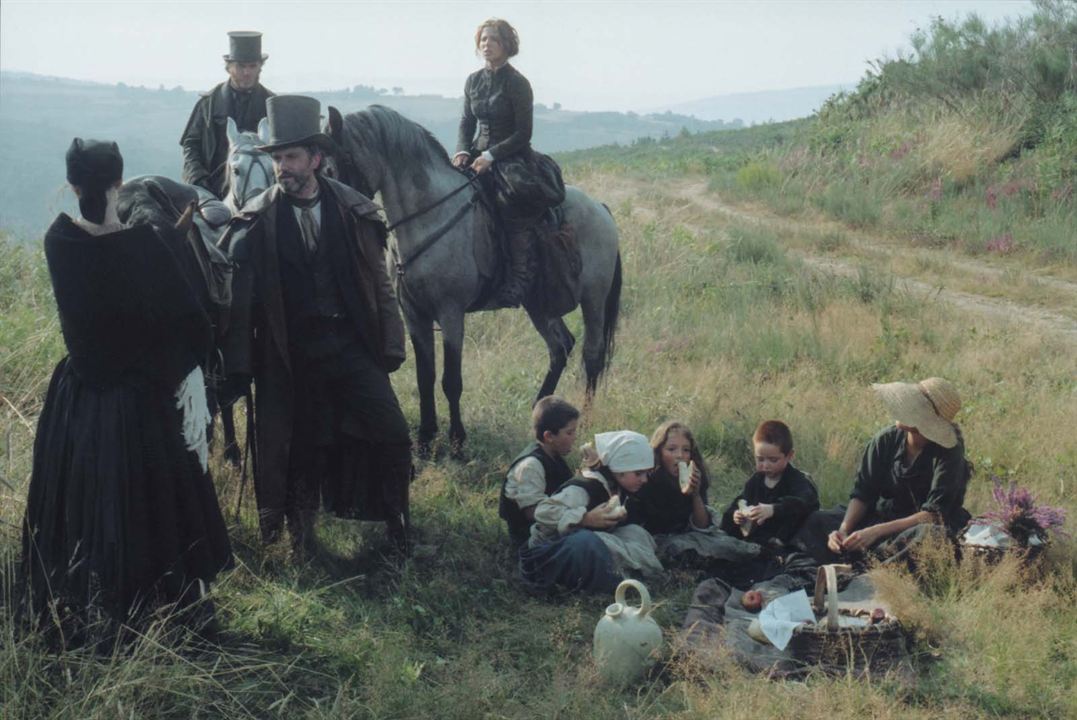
(498, 103)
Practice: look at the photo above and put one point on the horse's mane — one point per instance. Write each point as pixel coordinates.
(393, 135)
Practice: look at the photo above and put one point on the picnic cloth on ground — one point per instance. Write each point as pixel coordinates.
(717, 624)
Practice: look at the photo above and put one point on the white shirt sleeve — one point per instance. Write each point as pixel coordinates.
(563, 510)
(526, 483)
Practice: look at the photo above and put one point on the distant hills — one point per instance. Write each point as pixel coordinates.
(39, 116)
(759, 107)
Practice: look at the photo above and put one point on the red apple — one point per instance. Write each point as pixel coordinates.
(752, 600)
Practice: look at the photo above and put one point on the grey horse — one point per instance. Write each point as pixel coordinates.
(444, 246)
(162, 202)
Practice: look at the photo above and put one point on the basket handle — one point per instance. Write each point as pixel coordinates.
(826, 580)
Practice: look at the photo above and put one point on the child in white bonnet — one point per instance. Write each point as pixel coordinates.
(587, 535)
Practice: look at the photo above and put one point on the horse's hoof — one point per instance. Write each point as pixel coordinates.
(424, 450)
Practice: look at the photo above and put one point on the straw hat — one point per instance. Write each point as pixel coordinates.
(929, 406)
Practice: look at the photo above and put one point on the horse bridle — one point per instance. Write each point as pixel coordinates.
(241, 196)
(350, 167)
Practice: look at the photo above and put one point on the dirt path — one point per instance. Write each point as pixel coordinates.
(691, 197)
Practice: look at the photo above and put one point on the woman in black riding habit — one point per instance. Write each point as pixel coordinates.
(121, 516)
(499, 104)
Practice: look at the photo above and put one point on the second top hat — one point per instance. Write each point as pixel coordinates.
(245, 46)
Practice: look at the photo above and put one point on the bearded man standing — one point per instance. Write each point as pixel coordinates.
(242, 98)
(315, 322)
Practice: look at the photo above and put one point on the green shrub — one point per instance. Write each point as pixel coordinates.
(757, 175)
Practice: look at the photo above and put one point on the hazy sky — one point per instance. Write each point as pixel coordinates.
(585, 55)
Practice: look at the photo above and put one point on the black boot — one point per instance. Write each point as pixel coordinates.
(515, 285)
(301, 527)
(396, 474)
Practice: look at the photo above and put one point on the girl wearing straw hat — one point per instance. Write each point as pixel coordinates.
(911, 480)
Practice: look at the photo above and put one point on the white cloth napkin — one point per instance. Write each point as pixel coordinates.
(782, 615)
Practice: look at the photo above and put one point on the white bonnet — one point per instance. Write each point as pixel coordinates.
(624, 451)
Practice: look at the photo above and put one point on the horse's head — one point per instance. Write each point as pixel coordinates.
(344, 165)
(250, 170)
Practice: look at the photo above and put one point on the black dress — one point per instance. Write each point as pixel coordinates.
(499, 105)
(120, 515)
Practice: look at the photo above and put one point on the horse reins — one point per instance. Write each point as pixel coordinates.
(350, 167)
(433, 237)
(470, 182)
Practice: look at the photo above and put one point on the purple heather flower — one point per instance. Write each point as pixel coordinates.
(1017, 511)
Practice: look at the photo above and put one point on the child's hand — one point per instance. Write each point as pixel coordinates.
(600, 518)
(694, 480)
(739, 517)
(760, 513)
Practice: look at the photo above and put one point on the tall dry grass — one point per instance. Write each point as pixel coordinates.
(722, 327)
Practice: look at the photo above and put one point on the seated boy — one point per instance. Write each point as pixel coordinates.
(540, 469)
(779, 497)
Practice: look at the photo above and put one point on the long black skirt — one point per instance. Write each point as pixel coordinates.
(120, 515)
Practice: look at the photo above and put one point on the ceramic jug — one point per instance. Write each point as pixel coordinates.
(626, 637)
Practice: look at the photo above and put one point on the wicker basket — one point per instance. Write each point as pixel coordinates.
(992, 554)
(837, 649)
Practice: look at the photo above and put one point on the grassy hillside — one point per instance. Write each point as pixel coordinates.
(722, 327)
(968, 141)
(727, 320)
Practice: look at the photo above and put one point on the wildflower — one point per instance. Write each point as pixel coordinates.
(1020, 516)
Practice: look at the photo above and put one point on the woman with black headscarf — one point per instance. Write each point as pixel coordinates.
(122, 515)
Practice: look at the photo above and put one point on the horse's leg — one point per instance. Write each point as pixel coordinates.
(559, 344)
(421, 331)
(452, 378)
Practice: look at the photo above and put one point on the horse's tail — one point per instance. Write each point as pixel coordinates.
(594, 367)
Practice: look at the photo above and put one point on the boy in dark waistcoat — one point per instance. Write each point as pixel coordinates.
(540, 469)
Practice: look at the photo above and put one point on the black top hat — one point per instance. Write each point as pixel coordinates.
(245, 46)
(294, 120)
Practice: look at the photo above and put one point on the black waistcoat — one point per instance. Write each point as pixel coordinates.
(557, 472)
(598, 494)
(309, 280)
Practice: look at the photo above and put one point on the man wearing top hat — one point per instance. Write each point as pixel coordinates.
(242, 98)
(315, 323)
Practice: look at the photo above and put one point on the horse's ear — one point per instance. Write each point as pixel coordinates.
(232, 131)
(336, 123)
(263, 130)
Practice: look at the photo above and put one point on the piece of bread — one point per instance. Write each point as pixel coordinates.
(684, 473)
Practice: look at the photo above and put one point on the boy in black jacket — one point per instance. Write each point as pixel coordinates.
(778, 497)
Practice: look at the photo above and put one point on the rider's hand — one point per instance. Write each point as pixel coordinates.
(461, 160)
(481, 165)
